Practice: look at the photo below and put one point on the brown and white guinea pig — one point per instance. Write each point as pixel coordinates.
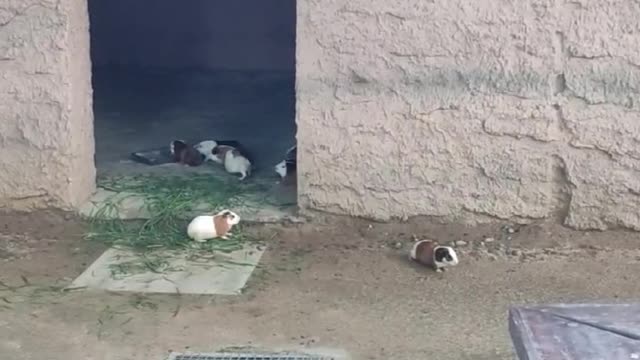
(185, 154)
(234, 161)
(206, 149)
(432, 254)
(286, 169)
(205, 227)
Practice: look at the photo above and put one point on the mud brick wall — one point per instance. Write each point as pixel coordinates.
(471, 109)
(46, 120)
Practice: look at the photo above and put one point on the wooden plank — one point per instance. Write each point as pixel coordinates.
(576, 332)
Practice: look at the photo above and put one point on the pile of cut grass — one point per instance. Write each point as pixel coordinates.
(167, 199)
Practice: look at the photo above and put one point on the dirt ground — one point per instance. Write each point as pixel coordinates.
(340, 284)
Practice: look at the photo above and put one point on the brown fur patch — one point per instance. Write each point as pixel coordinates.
(191, 157)
(424, 252)
(221, 224)
(186, 154)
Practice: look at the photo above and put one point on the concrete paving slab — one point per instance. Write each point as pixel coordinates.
(182, 272)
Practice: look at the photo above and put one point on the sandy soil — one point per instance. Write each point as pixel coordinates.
(339, 284)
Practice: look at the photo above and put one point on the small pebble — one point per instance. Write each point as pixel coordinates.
(461, 243)
(489, 240)
(398, 245)
(516, 252)
(511, 230)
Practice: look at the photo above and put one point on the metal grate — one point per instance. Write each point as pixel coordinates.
(247, 356)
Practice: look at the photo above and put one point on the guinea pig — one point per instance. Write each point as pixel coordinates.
(430, 253)
(205, 227)
(206, 149)
(185, 154)
(286, 169)
(234, 161)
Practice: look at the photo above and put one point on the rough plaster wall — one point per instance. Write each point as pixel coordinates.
(46, 120)
(466, 109)
(210, 34)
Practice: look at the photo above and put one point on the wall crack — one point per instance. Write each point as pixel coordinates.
(20, 13)
(563, 125)
(563, 189)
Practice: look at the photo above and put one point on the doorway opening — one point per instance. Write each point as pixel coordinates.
(166, 70)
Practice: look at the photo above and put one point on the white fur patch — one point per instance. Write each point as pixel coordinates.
(237, 165)
(202, 228)
(205, 148)
(281, 169)
(413, 255)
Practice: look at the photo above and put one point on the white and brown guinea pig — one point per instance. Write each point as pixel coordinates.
(185, 154)
(234, 161)
(205, 227)
(206, 149)
(430, 253)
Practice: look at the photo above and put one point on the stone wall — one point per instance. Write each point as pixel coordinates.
(465, 109)
(46, 120)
